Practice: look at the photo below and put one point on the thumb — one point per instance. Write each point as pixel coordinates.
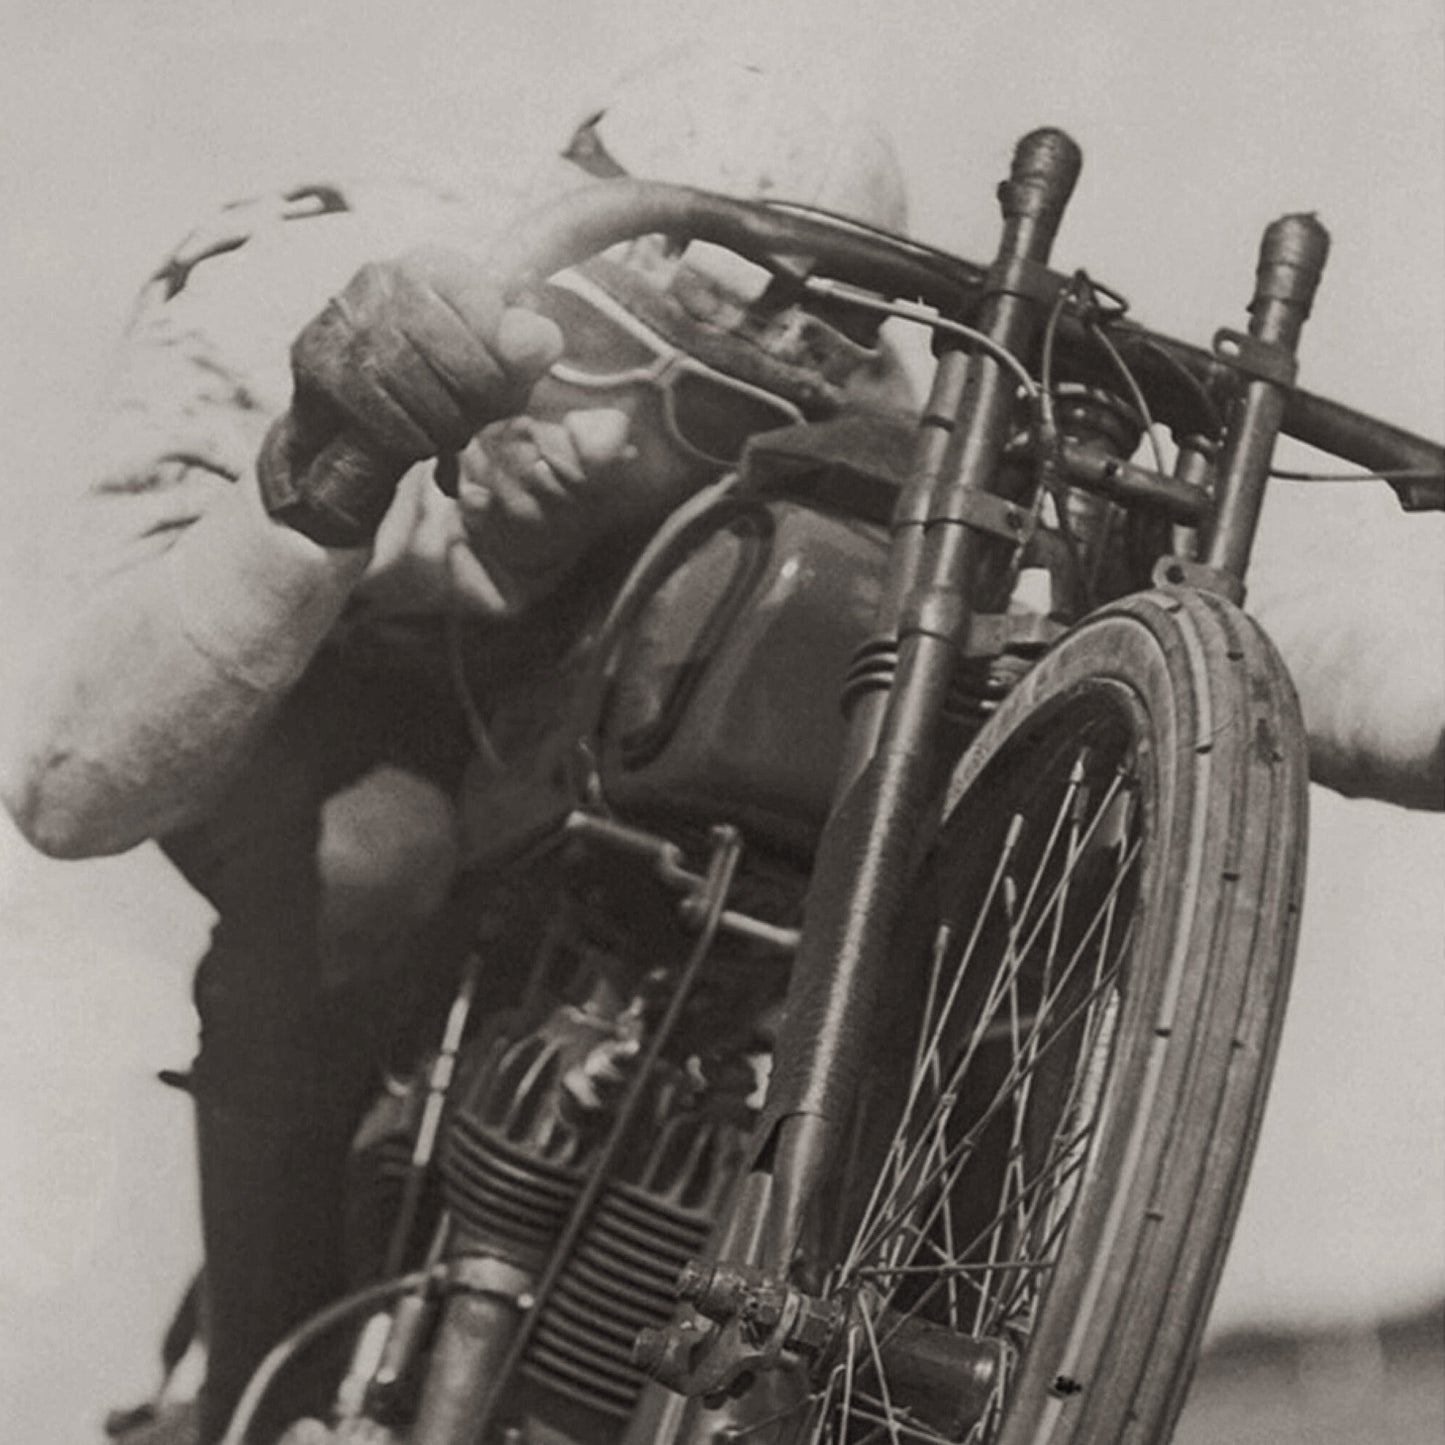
(599, 436)
(526, 343)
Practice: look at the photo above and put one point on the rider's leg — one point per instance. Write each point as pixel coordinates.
(320, 873)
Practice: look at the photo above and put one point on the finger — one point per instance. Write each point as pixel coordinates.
(461, 281)
(446, 351)
(326, 366)
(599, 437)
(397, 360)
(517, 482)
(522, 343)
(533, 453)
(421, 351)
(447, 387)
(574, 452)
(556, 448)
(476, 588)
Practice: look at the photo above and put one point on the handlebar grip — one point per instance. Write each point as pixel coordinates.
(334, 489)
(1046, 166)
(1292, 259)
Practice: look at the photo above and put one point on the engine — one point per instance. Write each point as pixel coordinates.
(589, 1140)
(535, 1122)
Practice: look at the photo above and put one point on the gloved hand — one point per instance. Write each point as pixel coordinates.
(410, 360)
(535, 495)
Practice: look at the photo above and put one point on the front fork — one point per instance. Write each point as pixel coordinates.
(954, 542)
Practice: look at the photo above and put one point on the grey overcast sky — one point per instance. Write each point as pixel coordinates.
(122, 120)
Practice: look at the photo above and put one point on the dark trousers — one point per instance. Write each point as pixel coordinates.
(289, 1052)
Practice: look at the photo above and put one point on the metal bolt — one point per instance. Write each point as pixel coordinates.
(666, 1354)
(649, 1349)
(693, 1281)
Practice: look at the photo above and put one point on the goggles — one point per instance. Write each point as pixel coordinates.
(709, 414)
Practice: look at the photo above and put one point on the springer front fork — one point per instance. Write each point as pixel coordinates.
(955, 538)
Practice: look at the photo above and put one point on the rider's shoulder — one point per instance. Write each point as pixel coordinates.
(311, 236)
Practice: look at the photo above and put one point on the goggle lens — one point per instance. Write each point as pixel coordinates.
(709, 412)
(716, 418)
(596, 345)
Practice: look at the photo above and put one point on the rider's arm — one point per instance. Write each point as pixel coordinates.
(179, 611)
(197, 610)
(1368, 664)
(1350, 591)
(158, 678)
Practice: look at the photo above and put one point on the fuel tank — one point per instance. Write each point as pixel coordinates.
(724, 700)
(702, 684)
(716, 700)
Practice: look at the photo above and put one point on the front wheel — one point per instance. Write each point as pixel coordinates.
(1051, 1158)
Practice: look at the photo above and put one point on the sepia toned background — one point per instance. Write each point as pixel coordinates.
(123, 120)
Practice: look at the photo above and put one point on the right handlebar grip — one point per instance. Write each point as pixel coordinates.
(1046, 165)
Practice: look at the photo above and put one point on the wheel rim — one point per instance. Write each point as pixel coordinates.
(1026, 972)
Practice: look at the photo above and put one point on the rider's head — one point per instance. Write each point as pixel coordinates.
(740, 128)
(690, 342)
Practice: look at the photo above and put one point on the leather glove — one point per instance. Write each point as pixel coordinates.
(410, 360)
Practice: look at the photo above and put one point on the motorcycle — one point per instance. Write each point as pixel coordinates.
(899, 896)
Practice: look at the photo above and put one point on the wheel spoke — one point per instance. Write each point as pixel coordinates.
(901, 1430)
(961, 1153)
(990, 1267)
(1043, 1012)
(875, 1354)
(888, 1271)
(929, 1050)
(883, 1223)
(1016, 958)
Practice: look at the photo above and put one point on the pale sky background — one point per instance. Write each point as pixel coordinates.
(123, 120)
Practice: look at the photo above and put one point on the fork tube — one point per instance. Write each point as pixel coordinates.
(1291, 259)
(884, 811)
(937, 561)
(933, 453)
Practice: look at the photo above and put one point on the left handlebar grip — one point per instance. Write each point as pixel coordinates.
(335, 493)
(1292, 257)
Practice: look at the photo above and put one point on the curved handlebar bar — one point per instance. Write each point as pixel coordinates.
(794, 243)
(583, 222)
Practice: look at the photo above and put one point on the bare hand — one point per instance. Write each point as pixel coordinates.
(535, 495)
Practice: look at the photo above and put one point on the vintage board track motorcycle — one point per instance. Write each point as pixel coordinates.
(886, 1071)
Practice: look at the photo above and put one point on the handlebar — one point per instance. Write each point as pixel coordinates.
(795, 242)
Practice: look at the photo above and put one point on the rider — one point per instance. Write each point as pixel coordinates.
(250, 677)
(256, 674)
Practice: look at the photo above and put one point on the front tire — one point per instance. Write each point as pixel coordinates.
(1102, 937)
